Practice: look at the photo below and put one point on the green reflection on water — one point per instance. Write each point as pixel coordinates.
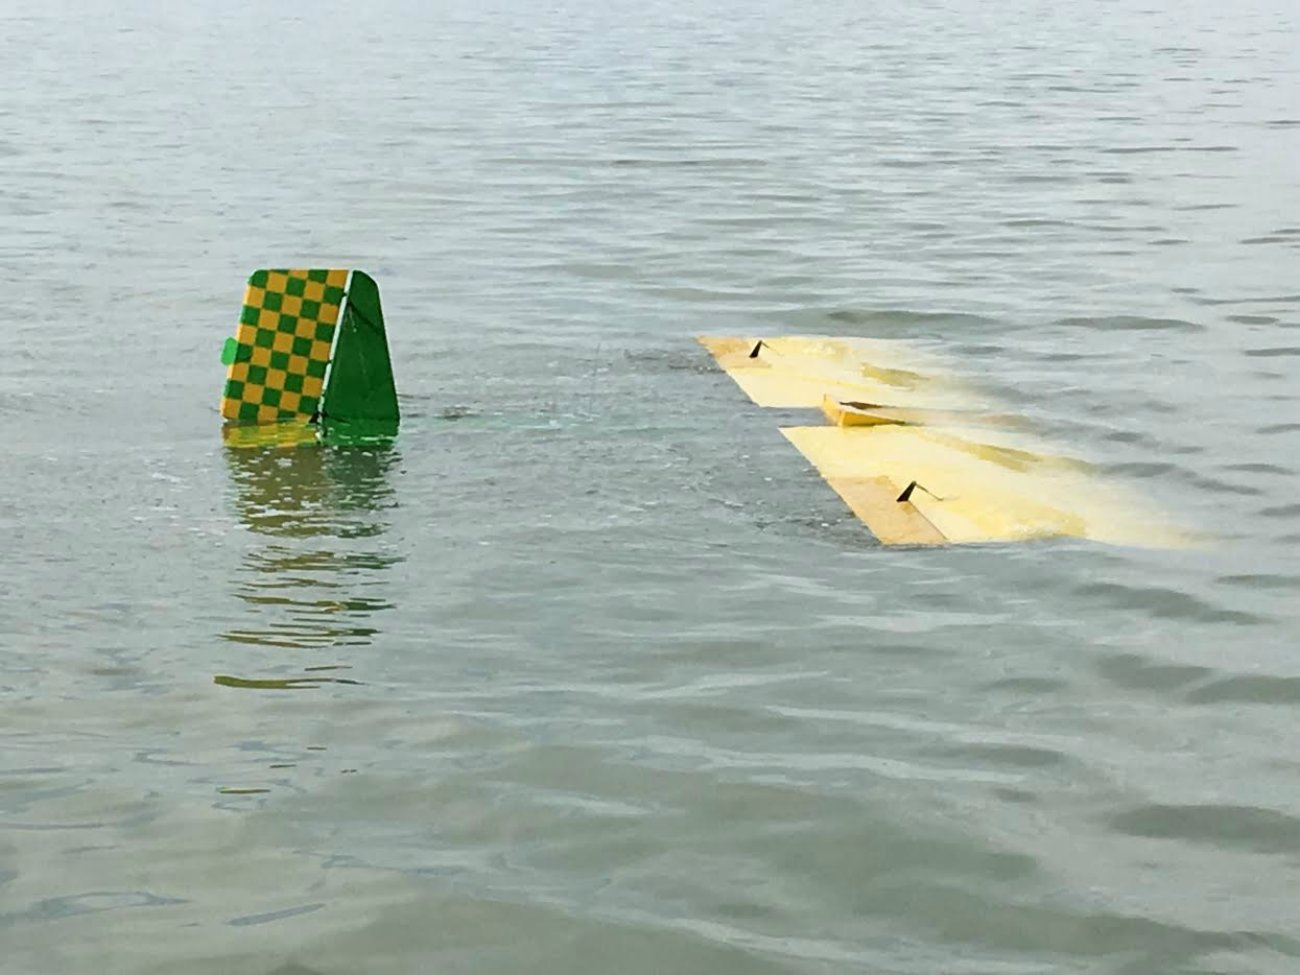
(315, 504)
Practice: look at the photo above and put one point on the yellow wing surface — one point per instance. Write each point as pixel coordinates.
(920, 459)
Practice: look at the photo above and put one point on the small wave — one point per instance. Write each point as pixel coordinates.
(1167, 603)
(251, 919)
(1256, 580)
(1028, 686)
(887, 318)
(1248, 689)
(1273, 352)
(1137, 150)
(1131, 323)
(1225, 826)
(1257, 468)
(1281, 511)
(1138, 673)
(997, 754)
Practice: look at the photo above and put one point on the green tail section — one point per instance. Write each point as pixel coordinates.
(361, 388)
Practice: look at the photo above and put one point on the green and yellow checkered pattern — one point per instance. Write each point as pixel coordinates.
(283, 344)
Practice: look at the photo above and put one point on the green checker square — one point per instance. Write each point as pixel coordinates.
(308, 404)
(318, 274)
(234, 389)
(302, 346)
(310, 309)
(316, 368)
(270, 397)
(271, 301)
(248, 411)
(288, 323)
(295, 287)
(258, 280)
(333, 294)
(264, 337)
(324, 331)
(279, 360)
(257, 375)
(292, 383)
(250, 314)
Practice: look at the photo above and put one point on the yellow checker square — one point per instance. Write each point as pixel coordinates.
(312, 386)
(292, 305)
(254, 296)
(298, 365)
(329, 313)
(276, 281)
(338, 277)
(306, 328)
(260, 357)
(238, 372)
(299, 272)
(267, 414)
(289, 402)
(246, 333)
(320, 351)
(268, 319)
(283, 342)
(275, 379)
(252, 393)
(314, 290)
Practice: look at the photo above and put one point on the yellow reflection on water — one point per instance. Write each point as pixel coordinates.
(314, 574)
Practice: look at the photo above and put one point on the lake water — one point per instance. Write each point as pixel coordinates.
(589, 671)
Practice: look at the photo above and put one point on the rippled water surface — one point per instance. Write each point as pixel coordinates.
(588, 672)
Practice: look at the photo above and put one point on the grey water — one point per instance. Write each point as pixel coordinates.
(588, 671)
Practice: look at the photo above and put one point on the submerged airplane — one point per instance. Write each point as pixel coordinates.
(918, 458)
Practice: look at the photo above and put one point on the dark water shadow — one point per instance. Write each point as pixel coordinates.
(313, 576)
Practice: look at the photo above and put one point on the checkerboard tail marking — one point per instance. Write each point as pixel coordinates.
(277, 361)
